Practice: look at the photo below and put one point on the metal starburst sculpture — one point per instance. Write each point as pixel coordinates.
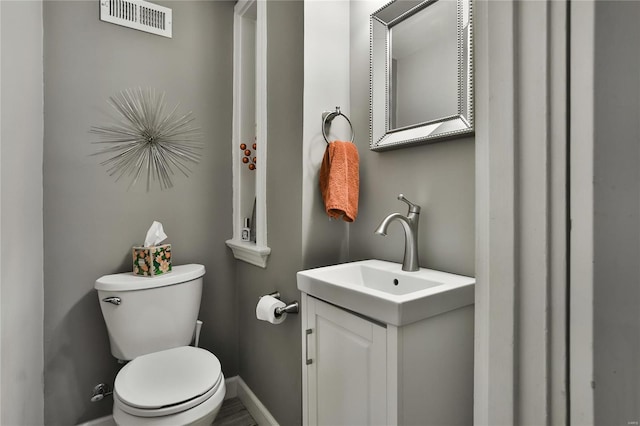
(146, 140)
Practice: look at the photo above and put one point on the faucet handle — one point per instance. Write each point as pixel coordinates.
(413, 208)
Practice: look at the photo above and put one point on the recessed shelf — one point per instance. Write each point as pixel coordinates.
(249, 128)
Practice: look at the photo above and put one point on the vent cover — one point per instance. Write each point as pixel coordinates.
(137, 14)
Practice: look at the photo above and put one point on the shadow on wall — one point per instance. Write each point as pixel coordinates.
(78, 345)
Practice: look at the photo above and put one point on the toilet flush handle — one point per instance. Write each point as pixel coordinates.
(112, 299)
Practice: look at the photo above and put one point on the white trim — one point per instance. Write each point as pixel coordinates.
(1, 328)
(239, 10)
(495, 214)
(582, 63)
(556, 239)
(521, 251)
(261, 124)
(231, 384)
(102, 421)
(395, 385)
(258, 411)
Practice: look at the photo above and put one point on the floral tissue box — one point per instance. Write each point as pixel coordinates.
(152, 261)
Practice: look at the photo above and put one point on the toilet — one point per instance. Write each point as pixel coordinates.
(151, 322)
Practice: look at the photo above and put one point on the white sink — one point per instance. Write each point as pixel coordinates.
(384, 292)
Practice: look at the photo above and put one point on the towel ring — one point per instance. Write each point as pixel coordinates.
(327, 118)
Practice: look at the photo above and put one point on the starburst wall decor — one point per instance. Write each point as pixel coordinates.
(146, 140)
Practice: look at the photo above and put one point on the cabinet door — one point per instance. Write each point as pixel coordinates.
(346, 379)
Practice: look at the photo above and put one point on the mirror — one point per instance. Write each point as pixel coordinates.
(421, 72)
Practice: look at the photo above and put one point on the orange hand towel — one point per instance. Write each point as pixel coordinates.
(340, 180)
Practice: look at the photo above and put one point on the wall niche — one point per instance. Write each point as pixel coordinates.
(249, 151)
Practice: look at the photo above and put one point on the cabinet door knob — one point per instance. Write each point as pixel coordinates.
(308, 332)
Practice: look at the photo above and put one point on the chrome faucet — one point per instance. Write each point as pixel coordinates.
(410, 225)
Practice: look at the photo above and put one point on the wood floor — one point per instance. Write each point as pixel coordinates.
(233, 413)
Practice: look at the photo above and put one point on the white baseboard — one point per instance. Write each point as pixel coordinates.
(102, 421)
(237, 387)
(232, 387)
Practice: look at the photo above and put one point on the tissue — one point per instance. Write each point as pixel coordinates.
(152, 259)
(155, 235)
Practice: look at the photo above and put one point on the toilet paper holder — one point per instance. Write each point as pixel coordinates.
(290, 308)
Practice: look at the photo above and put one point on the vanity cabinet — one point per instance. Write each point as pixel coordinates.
(358, 371)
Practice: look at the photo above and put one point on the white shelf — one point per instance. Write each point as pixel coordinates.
(249, 252)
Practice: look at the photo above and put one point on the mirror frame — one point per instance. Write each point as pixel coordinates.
(382, 137)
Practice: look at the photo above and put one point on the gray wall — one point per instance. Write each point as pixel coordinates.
(270, 356)
(439, 177)
(21, 254)
(324, 241)
(91, 222)
(617, 214)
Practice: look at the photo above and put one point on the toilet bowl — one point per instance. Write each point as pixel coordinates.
(179, 386)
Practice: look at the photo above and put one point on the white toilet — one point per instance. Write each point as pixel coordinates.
(151, 322)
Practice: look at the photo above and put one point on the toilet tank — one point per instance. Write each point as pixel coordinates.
(145, 315)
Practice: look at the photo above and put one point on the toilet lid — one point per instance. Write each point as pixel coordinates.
(167, 378)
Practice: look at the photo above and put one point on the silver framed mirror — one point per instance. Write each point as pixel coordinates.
(421, 72)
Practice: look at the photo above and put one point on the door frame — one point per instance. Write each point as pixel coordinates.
(521, 373)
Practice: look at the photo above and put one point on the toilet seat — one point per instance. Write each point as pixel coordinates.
(167, 382)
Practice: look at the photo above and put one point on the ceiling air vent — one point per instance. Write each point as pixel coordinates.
(138, 14)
